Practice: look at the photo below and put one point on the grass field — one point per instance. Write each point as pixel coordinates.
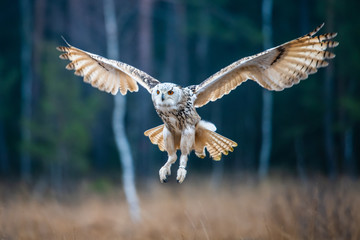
(275, 209)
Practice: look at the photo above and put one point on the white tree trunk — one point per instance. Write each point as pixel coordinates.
(122, 142)
(26, 85)
(267, 96)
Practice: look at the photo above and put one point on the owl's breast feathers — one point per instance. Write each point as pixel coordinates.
(176, 118)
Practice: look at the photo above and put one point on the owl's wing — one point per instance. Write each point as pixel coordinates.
(274, 69)
(105, 74)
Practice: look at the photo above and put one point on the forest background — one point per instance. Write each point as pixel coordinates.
(57, 132)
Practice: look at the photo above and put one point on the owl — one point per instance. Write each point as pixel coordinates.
(274, 69)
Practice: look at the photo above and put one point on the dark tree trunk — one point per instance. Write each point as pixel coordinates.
(265, 151)
(202, 45)
(26, 85)
(182, 51)
(4, 158)
(39, 28)
(328, 100)
(168, 73)
(299, 141)
(145, 40)
(300, 160)
(176, 59)
(349, 160)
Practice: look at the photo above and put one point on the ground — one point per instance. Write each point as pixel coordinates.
(274, 209)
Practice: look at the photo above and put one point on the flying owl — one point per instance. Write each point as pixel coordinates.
(274, 69)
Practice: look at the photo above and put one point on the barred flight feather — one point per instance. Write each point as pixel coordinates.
(104, 74)
(275, 69)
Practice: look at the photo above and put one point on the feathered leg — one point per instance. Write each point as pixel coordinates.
(186, 144)
(169, 143)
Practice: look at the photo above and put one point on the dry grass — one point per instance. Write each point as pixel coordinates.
(277, 209)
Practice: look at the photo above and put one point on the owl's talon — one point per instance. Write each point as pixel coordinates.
(181, 174)
(164, 172)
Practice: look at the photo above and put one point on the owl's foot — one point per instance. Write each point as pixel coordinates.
(181, 174)
(164, 172)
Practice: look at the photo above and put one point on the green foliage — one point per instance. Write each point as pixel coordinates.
(9, 77)
(352, 107)
(62, 123)
(101, 185)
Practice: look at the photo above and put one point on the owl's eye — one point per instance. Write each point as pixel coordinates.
(170, 92)
(157, 92)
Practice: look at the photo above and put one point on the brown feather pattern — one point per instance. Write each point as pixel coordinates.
(156, 136)
(274, 69)
(107, 75)
(213, 142)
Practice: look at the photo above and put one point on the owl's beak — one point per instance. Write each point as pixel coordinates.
(162, 97)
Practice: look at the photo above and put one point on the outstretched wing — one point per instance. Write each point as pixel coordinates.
(105, 74)
(274, 69)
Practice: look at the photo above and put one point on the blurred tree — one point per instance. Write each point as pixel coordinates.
(346, 78)
(266, 144)
(145, 60)
(119, 129)
(203, 41)
(299, 138)
(26, 88)
(62, 123)
(38, 40)
(170, 48)
(176, 51)
(181, 43)
(330, 149)
(9, 79)
(4, 159)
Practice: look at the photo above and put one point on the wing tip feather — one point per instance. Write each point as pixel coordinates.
(64, 56)
(333, 44)
(70, 66)
(61, 48)
(65, 41)
(317, 29)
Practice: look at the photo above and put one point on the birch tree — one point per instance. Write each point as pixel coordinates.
(122, 142)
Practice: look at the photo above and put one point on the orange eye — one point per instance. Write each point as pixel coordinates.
(170, 92)
(157, 92)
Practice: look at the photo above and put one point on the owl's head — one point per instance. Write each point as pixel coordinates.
(166, 95)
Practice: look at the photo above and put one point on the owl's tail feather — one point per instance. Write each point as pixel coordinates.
(156, 136)
(205, 138)
(214, 143)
